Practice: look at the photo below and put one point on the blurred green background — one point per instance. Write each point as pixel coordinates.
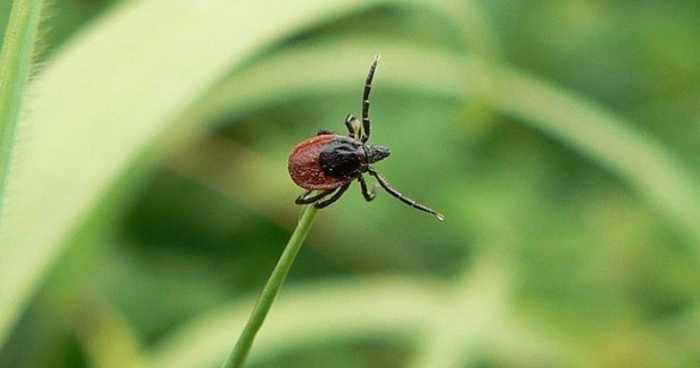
(148, 199)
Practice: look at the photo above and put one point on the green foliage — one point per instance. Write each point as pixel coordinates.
(15, 63)
(148, 200)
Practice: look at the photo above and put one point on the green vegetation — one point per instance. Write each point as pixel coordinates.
(147, 201)
(15, 63)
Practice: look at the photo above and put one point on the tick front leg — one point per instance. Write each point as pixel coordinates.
(305, 199)
(365, 100)
(353, 126)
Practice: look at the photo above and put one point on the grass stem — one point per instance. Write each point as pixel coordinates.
(240, 351)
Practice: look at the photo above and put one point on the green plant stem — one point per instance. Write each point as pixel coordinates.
(274, 283)
(15, 63)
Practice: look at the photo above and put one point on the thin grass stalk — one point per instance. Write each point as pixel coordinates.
(240, 351)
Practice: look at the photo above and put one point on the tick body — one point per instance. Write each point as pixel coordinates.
(329, 162)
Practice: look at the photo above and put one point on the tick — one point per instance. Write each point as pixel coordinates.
(327, 163)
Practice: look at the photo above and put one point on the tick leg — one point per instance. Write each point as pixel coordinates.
(353, 126)
(305, 199)
(325, 132)
(369, 195)
(401, 197)
(365, 100)
(334, 198)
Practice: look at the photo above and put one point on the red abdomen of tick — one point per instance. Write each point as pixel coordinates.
(304, 168)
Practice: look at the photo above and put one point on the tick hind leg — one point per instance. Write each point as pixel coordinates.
(369, 195)
(334, 198)
(304, 198)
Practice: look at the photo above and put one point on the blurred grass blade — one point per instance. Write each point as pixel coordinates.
(15, 64)
(316, 69)
(612, 141)
(359, 307)
(103, 102)
(106, 336)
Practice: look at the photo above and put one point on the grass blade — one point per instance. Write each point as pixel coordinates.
(611, 140)
(15, 65)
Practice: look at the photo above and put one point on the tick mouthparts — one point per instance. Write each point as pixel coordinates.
(376, 153)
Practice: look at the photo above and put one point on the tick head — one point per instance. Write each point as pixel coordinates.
(376, 153)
